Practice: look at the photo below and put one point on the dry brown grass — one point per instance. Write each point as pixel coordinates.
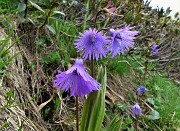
(16, 80)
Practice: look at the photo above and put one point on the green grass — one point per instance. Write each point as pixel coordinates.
(164, 93)
(65, 32)
(167, 98)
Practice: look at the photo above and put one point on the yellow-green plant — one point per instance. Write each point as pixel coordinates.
(94, 107)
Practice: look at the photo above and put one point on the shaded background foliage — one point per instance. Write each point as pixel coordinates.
(47, 30)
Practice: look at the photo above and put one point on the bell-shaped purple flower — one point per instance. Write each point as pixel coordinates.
(141, 90)
(93, 44)
(77, 80)
(121, 40)
(154, 49)
(136, 109)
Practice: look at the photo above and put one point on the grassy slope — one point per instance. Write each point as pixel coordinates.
(128, 74)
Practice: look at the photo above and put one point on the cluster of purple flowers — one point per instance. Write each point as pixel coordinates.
(94, 45)
(136, 109)
(154, 49)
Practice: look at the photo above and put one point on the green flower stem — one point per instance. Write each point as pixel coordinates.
(77, 114)
(92, 68)
(136, 123)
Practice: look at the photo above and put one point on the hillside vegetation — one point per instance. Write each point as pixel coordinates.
(37, 42)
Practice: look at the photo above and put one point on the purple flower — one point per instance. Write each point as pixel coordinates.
(122, 39)
(141, 90)
(93, 44)
(136, 109)
(154, 49)
(77, 80)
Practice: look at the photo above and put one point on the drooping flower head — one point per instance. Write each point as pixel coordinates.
(122, 40)
(136, 109)
(141, 90)
(93, 44)
(154, 49)
(77, 80)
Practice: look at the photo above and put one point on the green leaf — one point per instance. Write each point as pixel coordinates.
(94, 107)
(9, 94)
(36, 6)
(31, 21)
(156, 87)
(21, 7)
(55, 18)
(4, 125)
(9, 60)
(114, 125)
(47, 2)
(121, 106)
(124, 126)
(128, 120)
(40, 42)
(153, 115)
(59, 12)
(46, 60)
(54, 55)
(151, 101)
(51, 29)
(124, 61)
(21, 19)
(4, 42)
(46, 111)
(131, 129)
(4, 51)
